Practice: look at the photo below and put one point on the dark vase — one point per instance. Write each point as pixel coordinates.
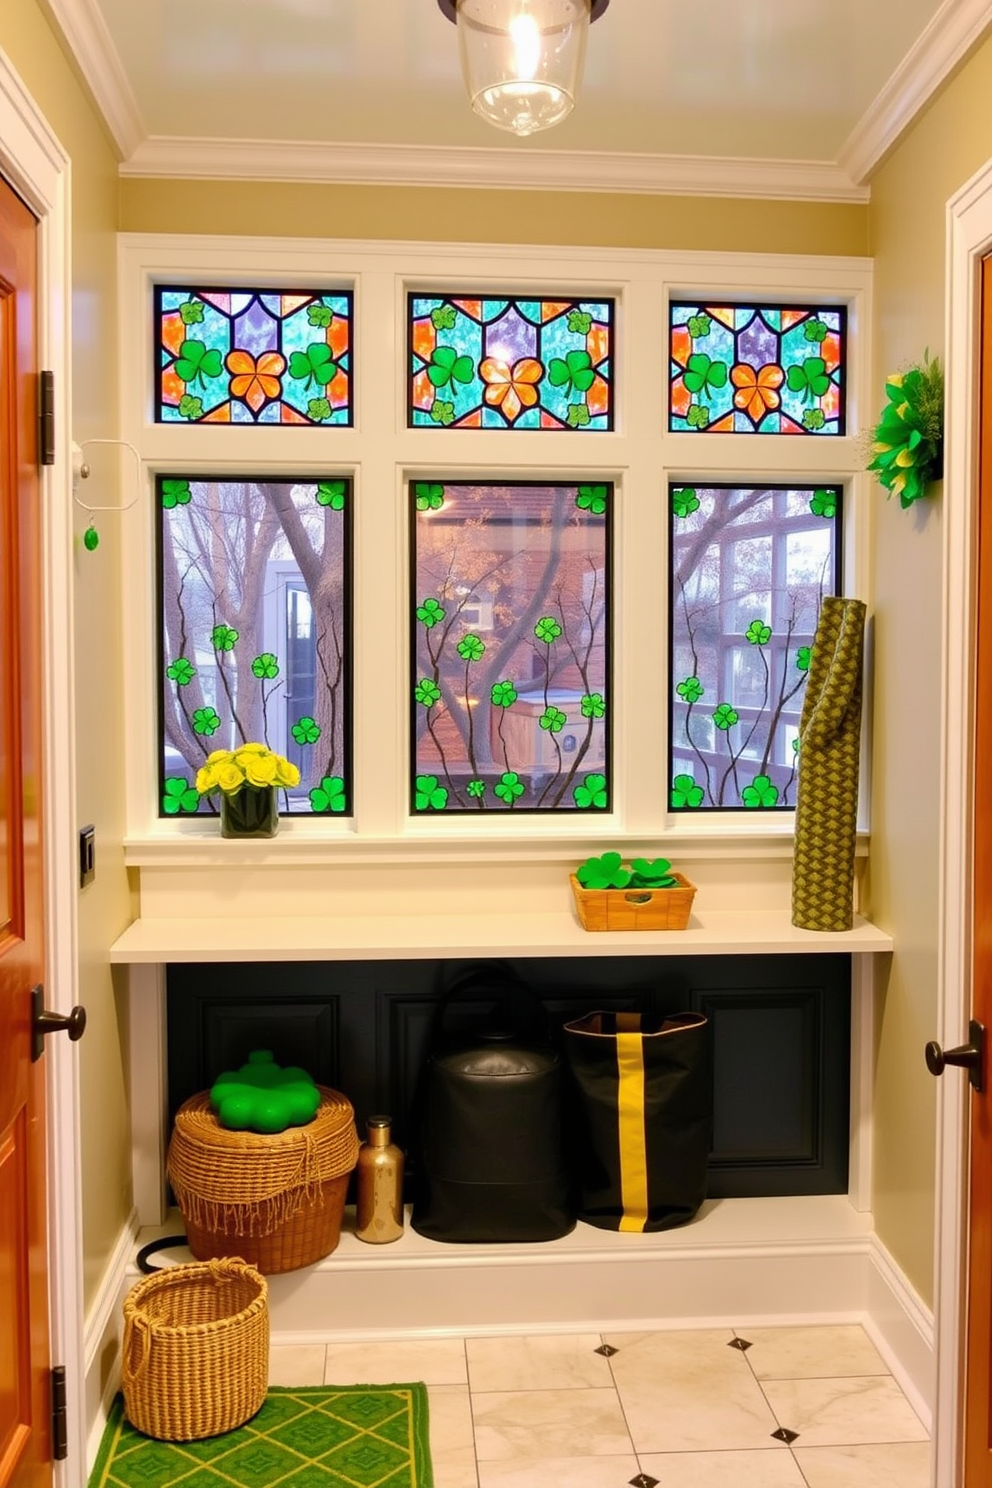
(253, 812)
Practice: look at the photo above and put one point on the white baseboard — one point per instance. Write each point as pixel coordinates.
(901, 1327)
(102, 1340)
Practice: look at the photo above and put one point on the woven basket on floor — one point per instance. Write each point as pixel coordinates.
(196, 1350)
(276, 1201)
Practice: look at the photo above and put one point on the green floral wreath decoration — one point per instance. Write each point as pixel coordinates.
(907, 442)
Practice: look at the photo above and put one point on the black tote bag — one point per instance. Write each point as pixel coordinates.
(643, 1118)
(491, 1164)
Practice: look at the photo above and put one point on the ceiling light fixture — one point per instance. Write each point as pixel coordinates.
(522, 59)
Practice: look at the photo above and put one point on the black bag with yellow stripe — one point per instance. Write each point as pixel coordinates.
(644, 1117)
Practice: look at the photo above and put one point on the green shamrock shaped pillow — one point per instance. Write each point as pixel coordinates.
(263, 1097)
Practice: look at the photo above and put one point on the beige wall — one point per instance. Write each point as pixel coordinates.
(907, 216)
(30, 46)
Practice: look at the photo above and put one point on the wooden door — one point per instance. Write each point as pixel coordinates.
(25, 1417)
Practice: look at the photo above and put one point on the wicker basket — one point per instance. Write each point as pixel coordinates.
(634, 909)
(196, 1350)
(276, 1201)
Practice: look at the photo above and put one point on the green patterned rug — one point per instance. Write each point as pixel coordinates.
(325, 1436)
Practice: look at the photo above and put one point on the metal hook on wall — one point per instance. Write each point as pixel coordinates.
(81, 472)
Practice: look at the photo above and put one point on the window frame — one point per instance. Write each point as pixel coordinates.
(381, 454)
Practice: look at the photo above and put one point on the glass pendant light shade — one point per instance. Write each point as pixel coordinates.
(522, 59)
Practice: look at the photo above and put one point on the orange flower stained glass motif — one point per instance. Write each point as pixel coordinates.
(511, 389)
(757, 391)
(256, 382)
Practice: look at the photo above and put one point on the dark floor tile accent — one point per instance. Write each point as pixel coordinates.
(606, 1349)
(643, 1481)
(739, 1343)
(784, 1434)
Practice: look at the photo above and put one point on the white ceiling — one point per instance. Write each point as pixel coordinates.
(751, 80)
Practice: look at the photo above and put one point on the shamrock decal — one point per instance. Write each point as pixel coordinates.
(685, 792)
(503, 695)
(575, 370)
(191, 312)
(179, 795)
(691, 690)
(698, 416)
(195, 362)
(803, 655)
(223, 638)
(814, 419)
(758, 633)
(699, 326)
(190, 407)
(205, 721)
(331, 493)
(470, 648)
(685, 502)
(809, 378)
(443, 317)
(815, 330)
(547, 629)
(175, 493)
(760, 792)
(703, 372)
(429, 613)
(318, 409)
(319, 315)
(593, 705)
(509, 788)
(823, 503)
(428, 795)
(306, 730)
(427, 692)
(265, 667)
(580, 322)
(447, 366)
(592, 499)
(725, 717)
(592, 792)
(329, 795)
(442, 413)
(578, 416)
(553, 720)
(315, 365)
(428, 496)
(476, 789)
(180, 671)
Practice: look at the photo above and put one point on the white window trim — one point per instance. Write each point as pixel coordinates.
(381, 455)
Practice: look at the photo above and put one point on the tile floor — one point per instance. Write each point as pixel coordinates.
(789, 1407)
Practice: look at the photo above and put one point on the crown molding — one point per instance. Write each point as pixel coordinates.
(516, 170)
(81, 23)
(957, 27)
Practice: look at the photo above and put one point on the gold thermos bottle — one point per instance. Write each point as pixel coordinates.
(379, 1179)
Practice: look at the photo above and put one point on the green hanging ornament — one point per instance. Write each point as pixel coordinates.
(91, 539)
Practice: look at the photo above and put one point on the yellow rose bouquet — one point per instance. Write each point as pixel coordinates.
(247, 779)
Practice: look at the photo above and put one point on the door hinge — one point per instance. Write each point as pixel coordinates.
(60, 1430)
(46, 418)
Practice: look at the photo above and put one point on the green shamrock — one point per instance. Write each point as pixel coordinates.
(699, 326)
(428, 794)
(179, 795)
(175, 493)
(443, 317)
(592, 792)
(223, 638)
(318, 409)
(428, 496)
(760, 792)
(698, 416)
(703, 372)
(685, 792)
(758, 633)
(814, 419)
(190, 407)
(191, 311)
(593, 705)
(685, 502)
(329, 795)
(691, 690)
(592, 499)
(547, 629)
(553, 720)
(195, 362)
(503, 695)
(578, 416)
(575, 370)
(510, 787)
(654, 873)
(442, 413)
(429, 613)
(606, 872)
(823, 503)
(579, 321)
(815, 330)
(476, 788)
(446, 365)
(809, 378)
(803, 655)
(319, 315)
(725, 717)
(265, 667)
(315, 365)
(471, 648)
(331, 493)
(306, 730)
(261, 1096)
(180, 671)
(427, 692)
(205, 721)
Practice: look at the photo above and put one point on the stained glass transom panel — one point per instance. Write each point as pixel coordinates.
(505, 363)
(750, 566)
(510, 684)
(757, 369)
(252, 356)
(254, 633)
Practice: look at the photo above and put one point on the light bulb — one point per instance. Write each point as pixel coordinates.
(526, 40)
